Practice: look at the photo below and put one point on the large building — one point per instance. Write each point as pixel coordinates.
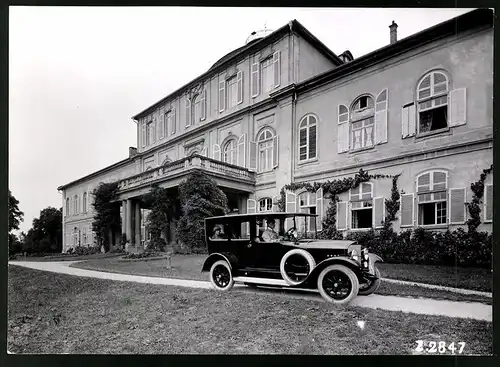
(284, 108)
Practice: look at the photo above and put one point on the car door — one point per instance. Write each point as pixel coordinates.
(243, 245)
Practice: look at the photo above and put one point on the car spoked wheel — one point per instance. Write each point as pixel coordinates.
(220, 276)
(338, 284)
(371, 286)
(296, 266)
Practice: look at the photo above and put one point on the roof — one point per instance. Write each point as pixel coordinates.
(264, 214)
(233, 56)
(468, 21)
(96, 173)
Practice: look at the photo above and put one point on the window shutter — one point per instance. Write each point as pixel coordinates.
(241, 159)
(378, 211)
(174, 123)
(252, 164)
(188, 112)
(342, 215)
(408, 119)
(290, 207)
(216, 152)
(239, 80)
(277, 69)
(204, 152)
(255, 79)
(407, 212)
(203, 102)
(457, 206)
(343, 129)
(488, 203)
(457, 107)
(222, 96)
(251, 206)
(381, 107)
(275, 151)
(275, 207)
(319, 209)
(143, 133)
(161, 126)
(154, 130)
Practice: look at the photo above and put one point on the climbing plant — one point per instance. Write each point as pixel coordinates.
(474, 206)
(107, 212)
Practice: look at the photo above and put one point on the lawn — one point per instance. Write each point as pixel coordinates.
(55, 313)
(189, 267)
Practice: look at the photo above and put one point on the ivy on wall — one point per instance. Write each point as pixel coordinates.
(107, 213)
(474, 206)
(331, 190)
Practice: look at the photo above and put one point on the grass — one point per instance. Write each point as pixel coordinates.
(189, 267)
(448, 276)
(56, 313)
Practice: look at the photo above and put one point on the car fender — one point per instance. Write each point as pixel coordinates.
(351, 264)
(230, 258)
(374, 258)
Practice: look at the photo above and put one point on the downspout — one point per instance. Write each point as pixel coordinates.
(294, 98)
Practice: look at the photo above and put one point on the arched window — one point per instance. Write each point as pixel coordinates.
(75, 206)
(67, 207)
(266, 150)
(432, 197)
(361, 201)
(229, 152)
(432, 98)
(362, 122)
(196, 109)
(84, 202)
(265, 205)
(307, 138)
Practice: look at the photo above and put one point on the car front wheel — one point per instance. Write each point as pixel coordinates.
(338, 284)
(370, 286)
(220, 276)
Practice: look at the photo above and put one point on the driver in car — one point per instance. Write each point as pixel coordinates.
(270, 235)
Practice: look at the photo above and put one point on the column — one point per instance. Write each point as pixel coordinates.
(128, 221)
(124, 217)
(137, 223)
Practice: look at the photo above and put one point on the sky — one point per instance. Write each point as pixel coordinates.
(78, 74)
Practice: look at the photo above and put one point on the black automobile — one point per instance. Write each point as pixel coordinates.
(282, 250)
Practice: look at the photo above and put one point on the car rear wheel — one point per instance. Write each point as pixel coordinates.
(221, 277)
(371, 286)
(338, 284)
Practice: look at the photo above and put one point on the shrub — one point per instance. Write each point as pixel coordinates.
(200, 198)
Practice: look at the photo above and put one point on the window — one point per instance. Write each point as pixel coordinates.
(307, 204)
(76, 205)
(266, 151)
(163, 126)
(232, 92)
(432, 198)
(267, 75)
(196, 109)
(265, 205)
(362, 123)
(307, 138)
(488, 203)
(361, 200)
(84, 235)
(432, 101)
(76, 239)
(67, 207)
(149, 133)
(230, 151)
(84, 202)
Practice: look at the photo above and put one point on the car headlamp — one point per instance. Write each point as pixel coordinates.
(365, 254)
(354, 255)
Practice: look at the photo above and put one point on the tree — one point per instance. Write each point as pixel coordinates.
(46, 233)
(200, 198)
(161, 214)
(15, 215)
(107, 212)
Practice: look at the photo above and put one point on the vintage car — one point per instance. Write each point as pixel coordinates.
(282, 250)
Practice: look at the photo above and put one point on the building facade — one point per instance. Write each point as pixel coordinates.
(284, 108)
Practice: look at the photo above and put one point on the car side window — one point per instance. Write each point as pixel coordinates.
(219, 233)
(240, 230)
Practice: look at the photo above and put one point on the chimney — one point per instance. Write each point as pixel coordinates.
(394, 32)
(132, 152)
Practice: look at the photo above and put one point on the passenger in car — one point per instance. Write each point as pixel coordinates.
(217, 233)
(270, 235)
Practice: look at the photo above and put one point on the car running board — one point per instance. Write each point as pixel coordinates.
(263, 281)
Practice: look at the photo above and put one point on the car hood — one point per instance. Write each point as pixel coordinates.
(326, 244)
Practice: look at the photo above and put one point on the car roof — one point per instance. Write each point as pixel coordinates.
(260, 215)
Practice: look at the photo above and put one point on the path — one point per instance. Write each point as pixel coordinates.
(478, 311)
